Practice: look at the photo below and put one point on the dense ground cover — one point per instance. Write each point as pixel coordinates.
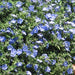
(37, 37)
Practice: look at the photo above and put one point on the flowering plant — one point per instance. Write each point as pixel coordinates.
(37, 37)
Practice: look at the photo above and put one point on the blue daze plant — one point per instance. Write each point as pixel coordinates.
(37, 37)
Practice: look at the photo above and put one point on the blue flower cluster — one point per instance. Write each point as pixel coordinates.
(37, 37)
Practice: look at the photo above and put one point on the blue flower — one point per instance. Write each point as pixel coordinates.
(53, 16)
(69, 71)
(28, 15)
(13, 21)
(72, 31)
(40, 1)
(45, 56)
(47, 46)
(53, 62)
(40, 74)
(48, 69)
(13, 15)
(66, 14)
(4, 67)
(73, 1)
(71, 36)
(11, 41)
(1, 7)
(15, 39)
(59, 36)
(8, 30)
(0, 54)
(35, 30)
(19, 51)
(9, 47)
(44, 39)
(40, 61)
(40, 34)
(20, 21)
(19, 4)
(68, 8)
(16, 70)
(73, 21)
(19, 64)
(28, 73)
(28, 52)
(36, 67)
(67, 44)
(43, 28)
(67, 49)
(9, 5)
(65, 31)
(53, 33)
(34, 54)
(57, 8)
(2, 39)
(13, 53)
(39, 42)
(37, 19)
(48, 0)
(74, 9)
(29, 65)
(2, 30)
(36, 46)
(47, 61)
(45, 21)
(65, 63)
(50, 7)
(57, 26)
(74, 58)
(63, 72)
(34, 1)
(20, 9)
(31, 8)
(12, 32)
(23, 32)
(25, 48)
(35, 51)
(50, 16)
(45, 9)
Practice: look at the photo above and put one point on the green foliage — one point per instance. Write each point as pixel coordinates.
(56, 45)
